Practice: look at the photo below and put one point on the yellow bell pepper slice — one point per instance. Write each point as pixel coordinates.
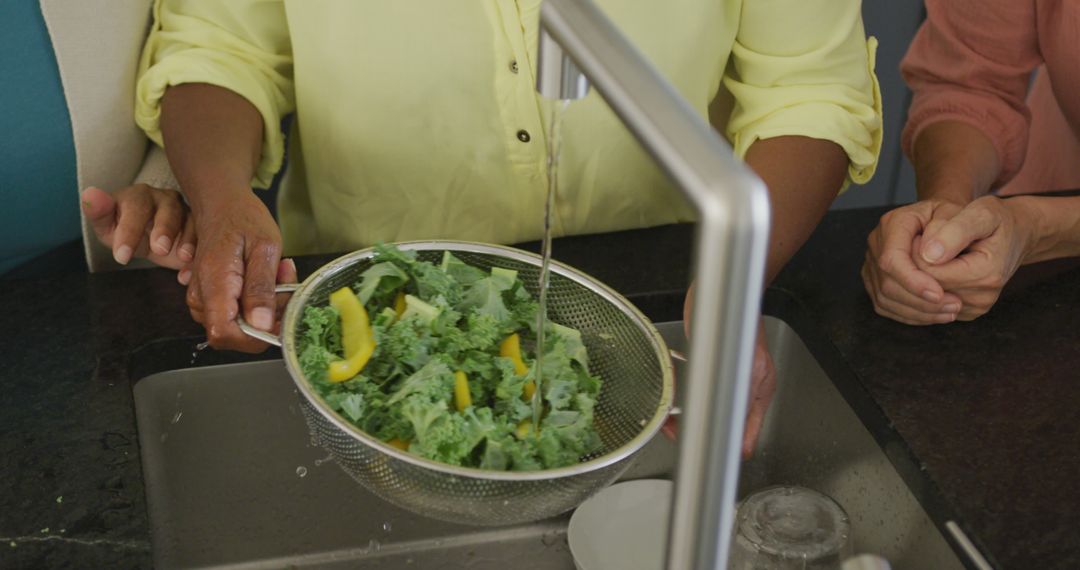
(462, 397)
(511, 348)
(528, 390)
(399, 304)
(523, 428)
(399, 443)
(357, 337)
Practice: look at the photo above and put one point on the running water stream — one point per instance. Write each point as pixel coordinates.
(554, 146)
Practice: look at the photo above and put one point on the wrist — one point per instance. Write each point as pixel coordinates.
(214, 197)
(1036, 226)
(954, 161)
(955, 190)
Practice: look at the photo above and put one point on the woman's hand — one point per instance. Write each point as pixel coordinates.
(762, 390)
(975, 252)
(236, 268)
(142, 221)
(899, 288)
(762, 383)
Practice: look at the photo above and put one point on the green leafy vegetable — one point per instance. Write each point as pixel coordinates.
(454, 318)
(380, 281)
(485, 296)
(423, 311)
(459, 270)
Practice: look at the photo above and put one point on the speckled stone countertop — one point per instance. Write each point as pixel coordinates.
(979, 418)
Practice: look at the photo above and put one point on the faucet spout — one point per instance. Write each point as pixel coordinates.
(557, 76)
(732, 205)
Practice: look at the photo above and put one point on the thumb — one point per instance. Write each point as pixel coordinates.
(945, 241)
(100, 210)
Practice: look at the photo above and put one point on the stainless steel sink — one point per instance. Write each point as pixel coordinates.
(233, 480)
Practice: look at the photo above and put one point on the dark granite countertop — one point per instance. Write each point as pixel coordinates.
(980, 418)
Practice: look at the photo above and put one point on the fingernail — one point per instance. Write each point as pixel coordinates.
(933, 251)
(951, 308)
(187, 252)
(262, 318)
(286, 270)
(931, 296)
(123, 254)
(164, 244)
(184, 277)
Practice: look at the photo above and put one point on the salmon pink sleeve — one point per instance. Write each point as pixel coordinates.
(971, 62)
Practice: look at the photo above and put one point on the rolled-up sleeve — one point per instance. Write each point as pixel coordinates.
(805, 67)
(240, 45)
(971, 62)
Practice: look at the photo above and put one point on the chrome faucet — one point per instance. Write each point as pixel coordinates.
(577, 42)
(557, 76)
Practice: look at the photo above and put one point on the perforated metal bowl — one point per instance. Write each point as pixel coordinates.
(624, 350)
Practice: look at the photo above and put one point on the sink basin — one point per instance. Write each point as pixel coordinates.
(233, 479)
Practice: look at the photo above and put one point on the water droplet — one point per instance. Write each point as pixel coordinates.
(549, 538)
(301, 471)
(179, 414)
(387, 526)
(199, 348)
(326, 459)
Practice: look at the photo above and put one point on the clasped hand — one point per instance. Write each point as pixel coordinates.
(937, 261)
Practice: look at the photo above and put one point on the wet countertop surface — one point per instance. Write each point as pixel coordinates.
(979, 418)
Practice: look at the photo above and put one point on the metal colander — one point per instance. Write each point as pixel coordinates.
(624, 350)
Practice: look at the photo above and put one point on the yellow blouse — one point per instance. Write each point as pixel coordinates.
(419, 119)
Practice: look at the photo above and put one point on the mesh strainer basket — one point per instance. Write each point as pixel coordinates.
(624, 350)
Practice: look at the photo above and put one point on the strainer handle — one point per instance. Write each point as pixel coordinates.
(268, 338)
(676, 355)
